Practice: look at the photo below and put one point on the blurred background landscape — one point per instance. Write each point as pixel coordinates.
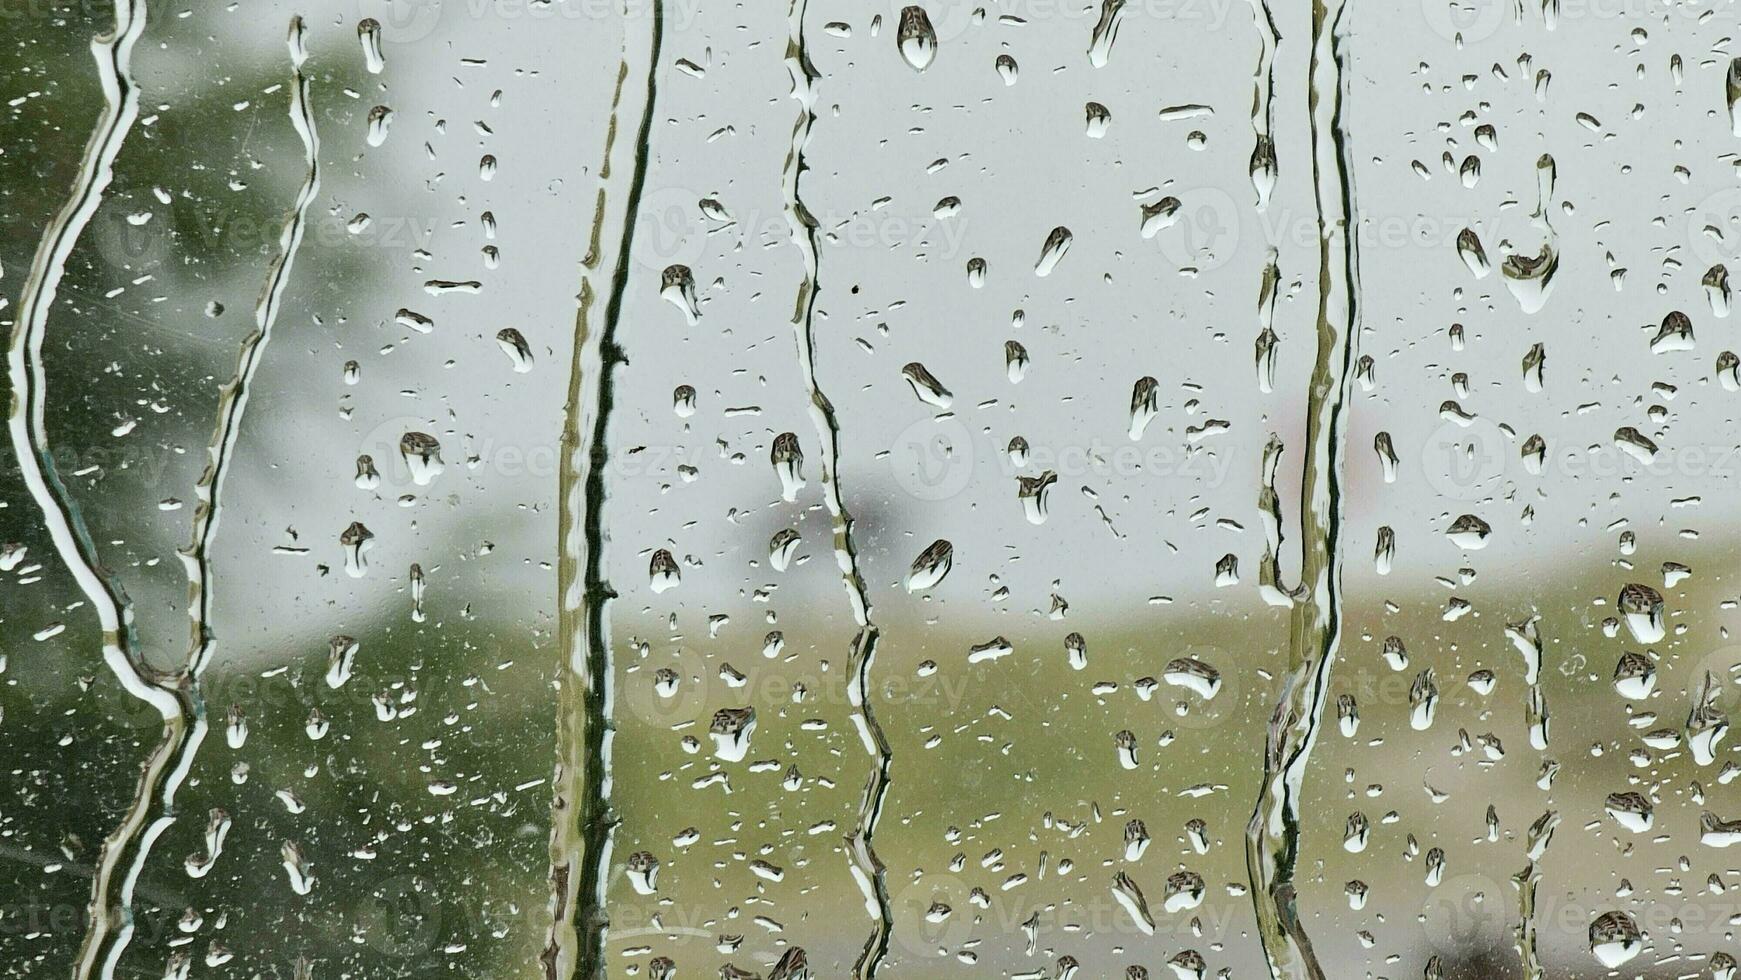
(423, 810)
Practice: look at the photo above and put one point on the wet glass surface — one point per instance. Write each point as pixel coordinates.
(1022, 489)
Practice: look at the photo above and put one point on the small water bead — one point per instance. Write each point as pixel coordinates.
(926, 386)
(1674, 335)
(642, 870)
(1469, 532)
(1193, 675)
(367, 478)
(1184, 891)
(1732, 95)
(1634, 676)
(1015, 361)
(1076, 651)
(931, 566)
(1034, 492)
(369, 36)
(513, 344)
(1099, 120)
(1717, 291)
(683, 401)
(356, 540)
(1356, 831)
(1714, 831)
(380, 119)
(341, 660)
(1347, 715)
(781, 547)
(1052, 251)
(915, 38)
(297, 867)
(1631, 811)
(1124, 744)
(1159, 216)
(788, 461)
(1263, 170)
(730, 731)
(1105, 32)
(1124, 888)
(1144, 406)
(1423, 700)
(1642, 608)
(1615, 939)
(677, 287)
(1387, 458)
(662, 572)
(1473, 254)
(422, 455)
(1136, 840)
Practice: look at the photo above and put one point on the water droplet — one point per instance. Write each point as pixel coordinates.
(915, 38)
(356, 540)
(931, 566)
(422, 455)
(1144, 406)
(662, 572)
(1614, 939)
(514, 345)
(1056, 244)
(926, 386)
(788, 462)
(369, 34)
(677, 286)
(380, 118)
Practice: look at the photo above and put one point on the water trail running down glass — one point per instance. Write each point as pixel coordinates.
(1263, 151)
(154, 806)
(110, 913)
(582, 823)
(1273, 836)
(867, 869)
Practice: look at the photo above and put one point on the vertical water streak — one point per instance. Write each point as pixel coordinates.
(110, 913)
(1524, 939)
(1263, 152)
(1273, 836)
(582, 825)
(867, 869)
(153, 809)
